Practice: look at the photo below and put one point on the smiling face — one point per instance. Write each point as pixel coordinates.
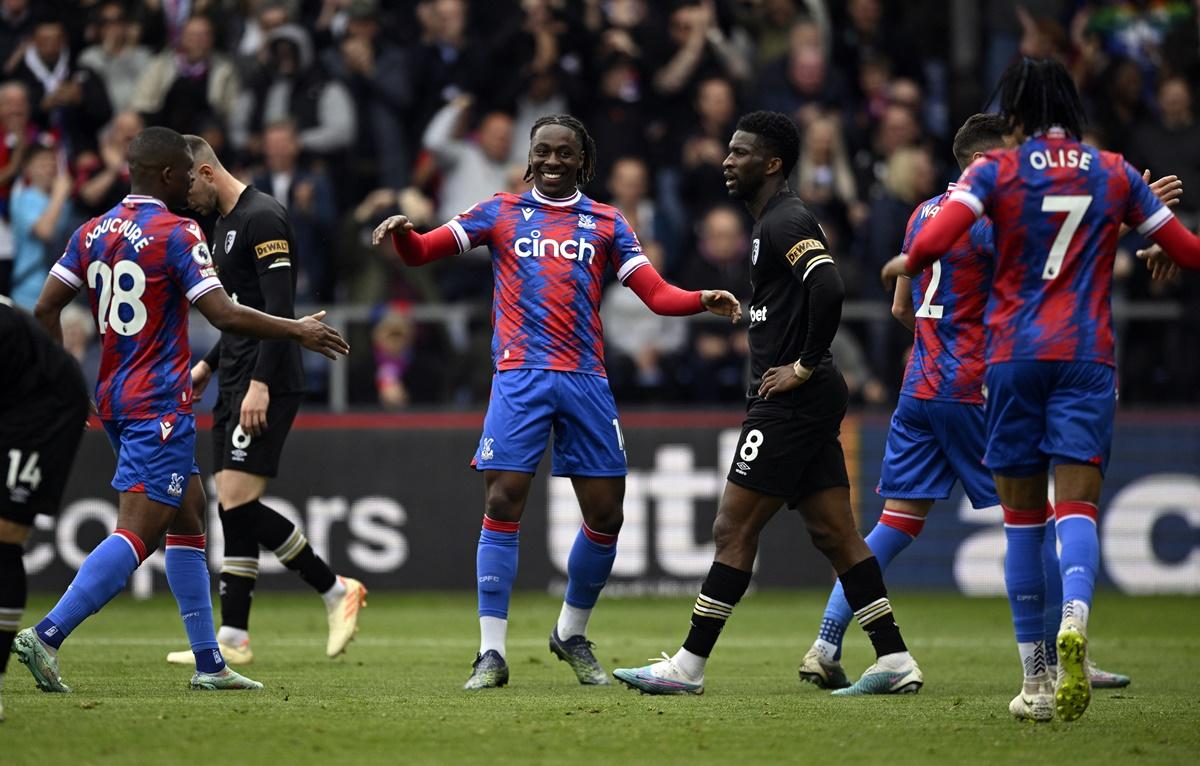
(747, 165)
(555, 156)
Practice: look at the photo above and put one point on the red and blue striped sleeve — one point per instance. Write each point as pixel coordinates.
(978, 182)
(189, 262)
(473, 227)
(626, 250)
(1144, 211)
(68, 269)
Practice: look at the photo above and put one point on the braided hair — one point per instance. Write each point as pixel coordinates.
(1038, 93)
(587, 170)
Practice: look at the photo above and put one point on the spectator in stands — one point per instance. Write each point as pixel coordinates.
(707, 145)
(698, 48)
(308, 196)
(378, 77)
(445, 58)
(643, 348)
(801, 83)
(1120, 106)
(715, 368)
(78, 332)
(190, 84)
(910, 178)
(1171, 143)
(103, 177)
(117, 59)
(617, 119)
(16, 22)
(67, 99)
(18, 135)
(897, 128)
(40, 215)
(475, 166)
(629, 192)
(291, 86)
(392, 341)
(825, 181)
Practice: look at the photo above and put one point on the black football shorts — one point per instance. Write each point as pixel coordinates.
(237, 450)
(790, 448)
(37, 448)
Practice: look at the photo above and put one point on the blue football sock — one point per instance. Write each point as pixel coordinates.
(1080, 551)
(588, 567)
(102, 576)
(496, 566)
(885, 541)
(1052, 614)
(1023, 574)
(187, 574)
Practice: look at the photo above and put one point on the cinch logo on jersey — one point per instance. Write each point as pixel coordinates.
(758, 315)
(123, 226)
(537, 246)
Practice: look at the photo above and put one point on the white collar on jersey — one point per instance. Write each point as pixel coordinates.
(556, 201)
(142, 199)
(951, 186)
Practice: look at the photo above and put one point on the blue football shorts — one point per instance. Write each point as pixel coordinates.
(526, 406)
(930, 445)
(156, 456)
(1046, 413)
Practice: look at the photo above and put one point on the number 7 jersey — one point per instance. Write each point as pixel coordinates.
(1057, 206)
(142, 266)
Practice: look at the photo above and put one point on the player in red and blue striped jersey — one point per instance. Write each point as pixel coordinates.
(1057, 205)
(551, 248)
(143, 267)
(938, 431)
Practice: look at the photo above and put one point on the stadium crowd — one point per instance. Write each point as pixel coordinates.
(351, 110)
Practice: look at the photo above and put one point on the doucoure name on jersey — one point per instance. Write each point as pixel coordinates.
(123, 226)
(537, 246)
(1042, 159)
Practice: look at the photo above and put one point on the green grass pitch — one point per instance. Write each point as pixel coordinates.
(395, 697)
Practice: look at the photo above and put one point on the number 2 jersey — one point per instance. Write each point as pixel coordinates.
(1057, 206)
(142, 266)
(549, 257)
(949, 299)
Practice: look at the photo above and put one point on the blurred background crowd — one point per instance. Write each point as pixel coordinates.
(351, 110)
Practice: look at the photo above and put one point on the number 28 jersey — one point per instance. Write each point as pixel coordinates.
(141, 265)
(1057, 206)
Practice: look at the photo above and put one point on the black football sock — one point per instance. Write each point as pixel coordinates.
(239, 570)
(12, 597)
(291, 547)
(867, 596)
(722, 589)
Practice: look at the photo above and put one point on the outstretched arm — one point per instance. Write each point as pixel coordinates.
(666, 299)
(309, 331)
(1181, 245)
(413, 248)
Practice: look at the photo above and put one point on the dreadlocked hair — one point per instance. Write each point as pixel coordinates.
(778, 132)
(1038, 93)
(587, 170)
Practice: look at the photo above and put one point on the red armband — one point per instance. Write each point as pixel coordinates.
(1181, 245)
(660, 296)
(939, 235)
(419, 249)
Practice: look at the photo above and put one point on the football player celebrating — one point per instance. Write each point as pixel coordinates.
(1057, 205)
(143, 267)
(550, 249)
